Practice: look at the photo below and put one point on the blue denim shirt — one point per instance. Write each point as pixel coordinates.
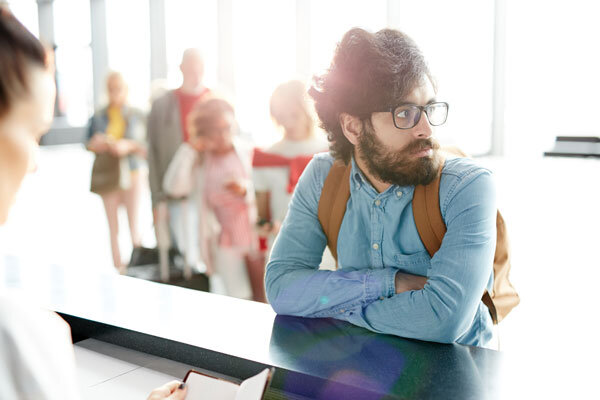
(378, 238)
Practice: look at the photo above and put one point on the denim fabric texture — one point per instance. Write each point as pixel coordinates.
(378, 238)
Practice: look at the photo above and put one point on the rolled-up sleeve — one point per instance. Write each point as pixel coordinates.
(445, 309)
(293, 281)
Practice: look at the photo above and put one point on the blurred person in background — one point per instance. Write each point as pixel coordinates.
(215, 167)
(36, 354)
(116, 135)
(278, 168)
(167, 130)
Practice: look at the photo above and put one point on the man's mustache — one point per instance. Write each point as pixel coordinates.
(419, 145)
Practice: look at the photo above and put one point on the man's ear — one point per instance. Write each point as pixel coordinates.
(351, 126)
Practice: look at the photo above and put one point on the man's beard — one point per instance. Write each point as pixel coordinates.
(399, 167)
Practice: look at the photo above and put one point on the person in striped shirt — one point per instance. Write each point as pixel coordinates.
(214, 168)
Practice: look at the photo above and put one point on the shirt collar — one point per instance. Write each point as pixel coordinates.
(358, 178)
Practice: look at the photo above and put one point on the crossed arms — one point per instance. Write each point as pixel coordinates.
(439, 307)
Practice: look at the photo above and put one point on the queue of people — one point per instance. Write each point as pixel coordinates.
(215, 198)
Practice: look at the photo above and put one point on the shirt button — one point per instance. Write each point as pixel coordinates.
(377, 202)
(399, 193)
(381, 298)
(375, 246)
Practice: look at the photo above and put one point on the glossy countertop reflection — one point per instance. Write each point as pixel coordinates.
(382, 364)
(334, 351)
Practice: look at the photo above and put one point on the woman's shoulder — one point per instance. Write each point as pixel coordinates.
(37, 344)
(17, 314)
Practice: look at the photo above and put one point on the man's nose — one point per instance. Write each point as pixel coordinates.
(423, 129)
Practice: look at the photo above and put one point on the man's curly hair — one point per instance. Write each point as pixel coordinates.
(369, 72)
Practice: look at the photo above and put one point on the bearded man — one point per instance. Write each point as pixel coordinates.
(371, 103)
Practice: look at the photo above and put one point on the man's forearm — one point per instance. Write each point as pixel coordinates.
(422, 314)
(308, 292)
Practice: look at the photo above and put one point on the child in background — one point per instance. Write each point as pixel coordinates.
(215, 168)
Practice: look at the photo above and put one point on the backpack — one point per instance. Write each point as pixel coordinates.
(431, 228)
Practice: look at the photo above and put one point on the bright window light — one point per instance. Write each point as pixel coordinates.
(72, 34)
(191, 24)
(264, 48)
(129, 47)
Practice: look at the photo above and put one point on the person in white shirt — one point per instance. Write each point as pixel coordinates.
(36, 354)
(277, 168)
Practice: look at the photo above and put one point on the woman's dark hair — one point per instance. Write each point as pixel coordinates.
(205, 114)
(19, 51)
(369, 72)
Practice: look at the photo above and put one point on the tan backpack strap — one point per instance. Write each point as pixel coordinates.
(427, 214)
(489, 303)
(431, 227)
(332, 204)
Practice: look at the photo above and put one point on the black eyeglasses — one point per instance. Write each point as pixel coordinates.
(407, 116)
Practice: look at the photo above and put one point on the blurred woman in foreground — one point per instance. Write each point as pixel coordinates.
(36, 354)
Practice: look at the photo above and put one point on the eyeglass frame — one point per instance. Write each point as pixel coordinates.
(421, 109)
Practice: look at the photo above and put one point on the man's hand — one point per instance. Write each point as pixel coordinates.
(407, 282)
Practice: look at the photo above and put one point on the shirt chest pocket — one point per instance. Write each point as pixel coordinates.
(417, 263)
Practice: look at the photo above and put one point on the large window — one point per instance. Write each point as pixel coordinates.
(552, 73)
(264, 48)
(457, 40)
(191, 24)
(73, 60)
(128, 32)
(329, 21)
(26, 11)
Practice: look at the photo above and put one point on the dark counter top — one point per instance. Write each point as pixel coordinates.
(314, 358)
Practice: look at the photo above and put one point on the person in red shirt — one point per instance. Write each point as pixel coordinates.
(167, 130)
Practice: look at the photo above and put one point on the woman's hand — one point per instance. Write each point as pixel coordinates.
(99, 143)
(264, 228)
(267, 228)
(173, 390)
(236, 188)
(122, 148)
(198, 143)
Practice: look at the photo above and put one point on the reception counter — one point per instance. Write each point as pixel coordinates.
(313, 358)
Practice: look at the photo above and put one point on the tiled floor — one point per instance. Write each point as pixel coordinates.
(551, 206)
